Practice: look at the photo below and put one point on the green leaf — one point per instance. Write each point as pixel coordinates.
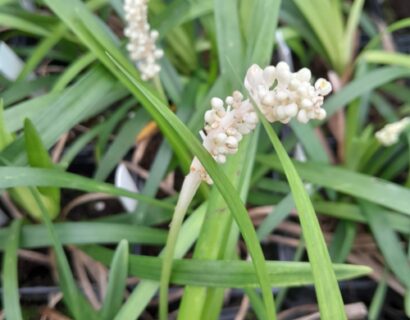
(343, 240)
(21, 176)
(22, 89)
(38, 157)
(327, 291)
(72, 71)
(351, 212)
(263, 20)
(359, 86)
(383, 57)
(41, 51)
(224, 273)
(378, 299)
(351, 26)
(397, 25)
(359, 185)
(123, 142)
(388, 242)
(117, 282)
(36, 236)
(5, 136)
(228, 34)
(11, 299)
(326, 21)
(278, 214)
(145, 291)
(56, 114)
(74, 300)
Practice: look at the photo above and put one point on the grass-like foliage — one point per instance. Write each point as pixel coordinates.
(81, 93)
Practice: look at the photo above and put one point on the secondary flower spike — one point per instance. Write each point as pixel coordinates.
(390, 134)
(141, 46)
(225, 125)
(282, 95)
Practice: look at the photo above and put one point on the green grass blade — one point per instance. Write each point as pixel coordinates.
(80, 233)
(117, 282)
(124, 140)
(378, 299)
(343, 240)
(5, 136)
(327, 290)
(15, 22)
(72, 71)
(225, 273)
(72, 296)
(263, 20)
(11, 299)
(351, 26)
(38, 157)
(326, 21)
(37, 154)
(145, 291)
(359, 185)
(228, 32)
(279, 213)
(359, 86)
(41, 51)
(21, 176)
(351, 212)
(383, 57)
(388, 242)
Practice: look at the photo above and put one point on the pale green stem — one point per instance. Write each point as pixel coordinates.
(188, 190)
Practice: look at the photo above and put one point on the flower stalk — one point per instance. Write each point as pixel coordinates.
(188, 190)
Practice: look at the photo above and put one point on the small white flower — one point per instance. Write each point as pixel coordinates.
(225, 125)
(390, 134)
(280, 94)
(141, 46)
(292, 96)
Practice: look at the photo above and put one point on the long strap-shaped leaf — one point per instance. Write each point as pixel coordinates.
(117, 282)
(359, 185)
(21, 177)
(36, 236)
(75, 301)
(359, 86)
(11, 303)
(327, 290)
(388, 241)
(225, 273)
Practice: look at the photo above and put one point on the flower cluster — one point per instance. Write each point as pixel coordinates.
(389, 135)
(282, 95)
(141, 44)
(225, 125)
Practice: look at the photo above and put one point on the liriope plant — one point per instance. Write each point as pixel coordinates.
(276, 112)
(280, 95)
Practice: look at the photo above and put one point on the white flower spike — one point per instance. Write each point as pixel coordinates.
(390, 134)
(282, 95)
(225, 126)
(228, 121)
(141, 46)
